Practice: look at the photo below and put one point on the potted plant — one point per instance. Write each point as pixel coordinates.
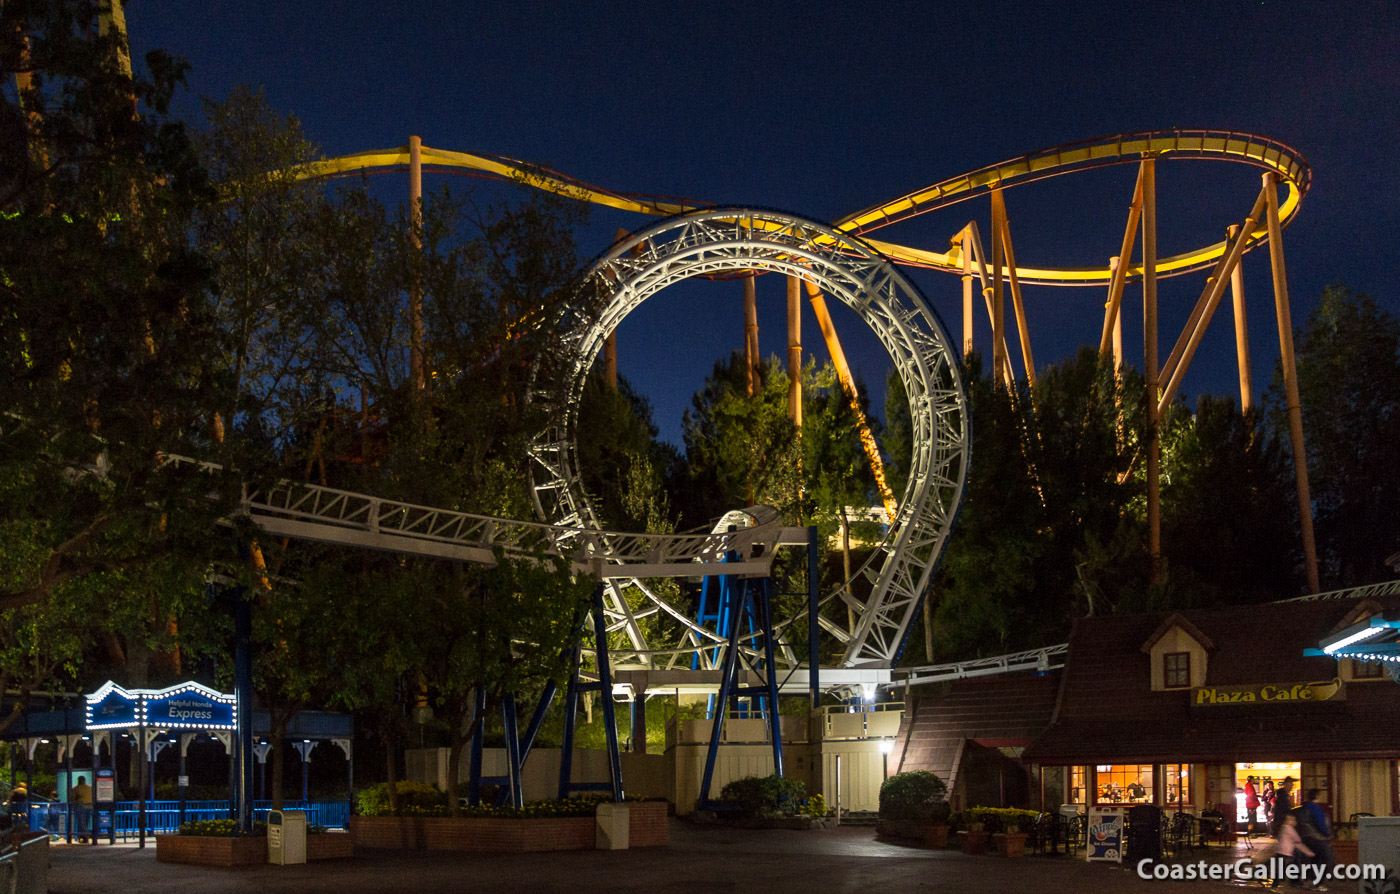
(1018, 826)
(936, 832)
(974, 836)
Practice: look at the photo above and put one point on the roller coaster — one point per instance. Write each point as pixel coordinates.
(839, 259)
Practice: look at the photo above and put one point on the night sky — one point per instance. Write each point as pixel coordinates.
(827, 108)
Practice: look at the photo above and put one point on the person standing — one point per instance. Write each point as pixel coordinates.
(1251, 801)
(1283, 804)
(1315, 831)
(80, 801)
(18, 803)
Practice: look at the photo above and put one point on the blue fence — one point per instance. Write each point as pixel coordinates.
(164, 816)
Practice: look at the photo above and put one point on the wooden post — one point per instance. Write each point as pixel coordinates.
(794, 358)
(1290, 379)
(967, 290)
(1150, 369)
(1241, 331)
(415, 286)
(998, 300)
(750, 336)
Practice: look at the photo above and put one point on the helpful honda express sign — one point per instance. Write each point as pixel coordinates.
(190, 708)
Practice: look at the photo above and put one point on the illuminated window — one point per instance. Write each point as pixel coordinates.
(1123, 784)
(1176, 670)
(1177, 779)
(1076, 786)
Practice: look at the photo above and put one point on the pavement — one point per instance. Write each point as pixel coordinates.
(698, 859)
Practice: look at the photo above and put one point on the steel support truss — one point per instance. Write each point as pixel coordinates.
(731, 240)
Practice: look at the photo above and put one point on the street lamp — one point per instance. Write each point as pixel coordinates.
(886, 747)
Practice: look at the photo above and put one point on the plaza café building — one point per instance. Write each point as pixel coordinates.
(1177, 710)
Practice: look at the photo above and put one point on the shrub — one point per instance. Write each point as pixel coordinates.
(756, 796)
(225, 828)
(815, 806)
(917, 796)
(1003, 819)
(415, 799)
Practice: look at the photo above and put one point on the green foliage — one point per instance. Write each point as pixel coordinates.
(415, 799)
(999, 819)
(814, 806)
(917, 796)
(219, 829)
(1348, 355)
(758, 796)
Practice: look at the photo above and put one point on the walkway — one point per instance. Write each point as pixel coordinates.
(706, 860)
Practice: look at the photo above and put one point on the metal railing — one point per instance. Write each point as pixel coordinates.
(57, 819)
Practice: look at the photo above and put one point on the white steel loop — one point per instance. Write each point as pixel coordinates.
(887, 589)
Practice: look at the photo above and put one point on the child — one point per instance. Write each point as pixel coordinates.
(1290, 844)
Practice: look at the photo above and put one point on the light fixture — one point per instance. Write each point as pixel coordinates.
(1355, 636)
(886, 746)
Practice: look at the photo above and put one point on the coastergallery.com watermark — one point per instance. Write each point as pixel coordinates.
(1273, 869)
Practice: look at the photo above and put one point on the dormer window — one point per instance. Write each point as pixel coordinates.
(1176, 670)
(1178, 652)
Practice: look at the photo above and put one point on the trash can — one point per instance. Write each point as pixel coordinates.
(614, 829)
(286, 837)
(1144, 838)
(1378, 843)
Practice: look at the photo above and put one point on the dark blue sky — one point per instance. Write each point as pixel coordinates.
(826, 108)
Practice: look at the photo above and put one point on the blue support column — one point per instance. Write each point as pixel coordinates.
(571, 693)
(600, 626)
(513, 761)
(603, 686)
(726, 689)
(765, 621)
(243, 699)
(474, 774)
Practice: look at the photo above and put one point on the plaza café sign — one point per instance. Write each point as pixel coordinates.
(182, 706)
(1268, 693)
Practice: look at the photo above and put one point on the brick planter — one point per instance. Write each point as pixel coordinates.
(228, 853)
(510, 836)
(330, 846)
(647, 825)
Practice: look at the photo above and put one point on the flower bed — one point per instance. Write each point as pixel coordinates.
(202, 850)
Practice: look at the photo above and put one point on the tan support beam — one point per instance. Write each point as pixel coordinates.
(1241, 333)
(610, 343)
(981, 257)
(1175, 369)
(1017, 305)
(999, 359)
(965, 238)
(848, 383)
(1150, 370)
(794, 357)
(1120, 273)
(1117, 340)
(415, 287)
(750, 336)
(1290, 380)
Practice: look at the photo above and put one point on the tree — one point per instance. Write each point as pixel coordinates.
(1219, 458)
(1348, 355)
(110, 350)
